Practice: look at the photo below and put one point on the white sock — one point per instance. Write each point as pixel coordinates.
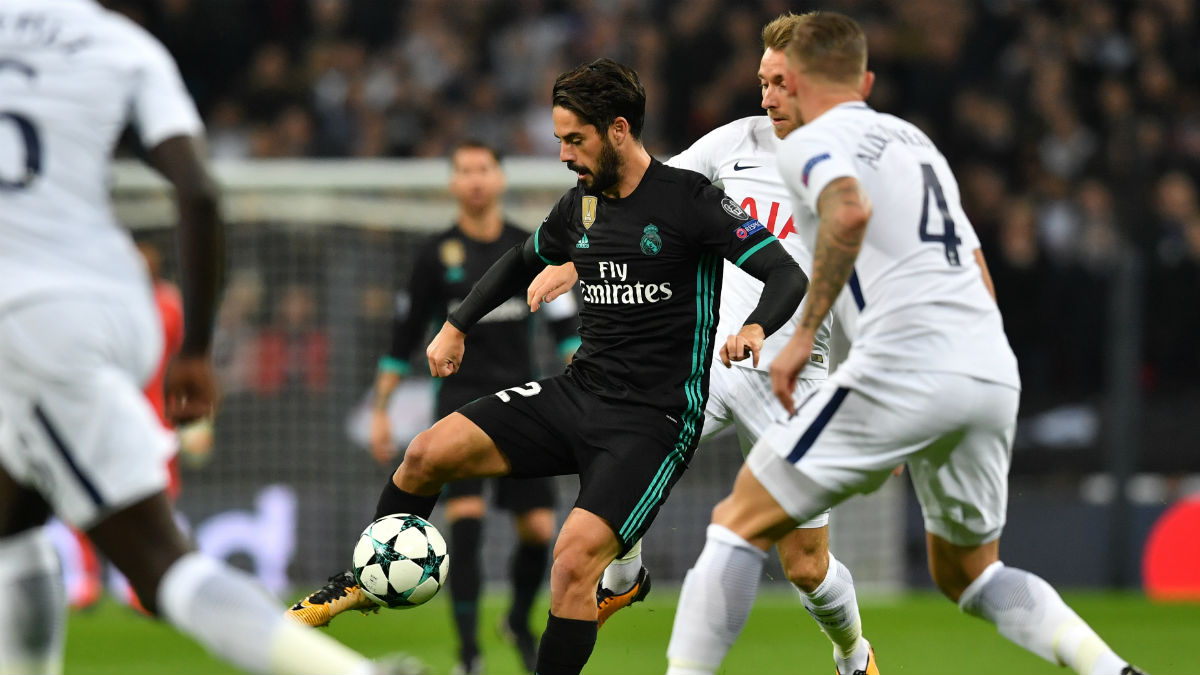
(621, 574)
(33, 613)
(717, 595)
(1029, 612)
(834, 606)
(225, 610)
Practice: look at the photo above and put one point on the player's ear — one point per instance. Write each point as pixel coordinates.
(868, 81)
(618, 131)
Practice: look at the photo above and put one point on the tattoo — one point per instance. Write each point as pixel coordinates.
(836, 250)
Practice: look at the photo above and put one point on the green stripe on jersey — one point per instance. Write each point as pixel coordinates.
(537, 248)
(754, 249)
(706, 281)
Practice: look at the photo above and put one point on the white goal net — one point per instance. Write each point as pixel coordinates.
(316, 251)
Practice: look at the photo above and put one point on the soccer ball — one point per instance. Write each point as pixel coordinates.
(400, 561)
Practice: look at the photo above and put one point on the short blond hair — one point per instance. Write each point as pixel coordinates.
(830, 45)
(777, 34)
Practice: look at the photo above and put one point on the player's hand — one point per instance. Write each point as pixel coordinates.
(381, 437)
(746, 344)
(786, 367)
(190, 388)
(445, 351)
(549, 284)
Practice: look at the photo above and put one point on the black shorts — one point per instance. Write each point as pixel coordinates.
(517, 495)
(628, 457)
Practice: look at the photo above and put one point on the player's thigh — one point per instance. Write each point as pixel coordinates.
(74, 424)
(961, 481)
(531, 426)
(847, 437)
(630, 459)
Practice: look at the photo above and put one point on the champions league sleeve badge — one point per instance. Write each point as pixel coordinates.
(651, 243)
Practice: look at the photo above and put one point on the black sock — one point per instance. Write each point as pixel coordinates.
(465, 582)
(566, 646)
(528, 571)
(394, 500)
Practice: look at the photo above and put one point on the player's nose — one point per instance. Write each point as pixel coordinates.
(565, 153)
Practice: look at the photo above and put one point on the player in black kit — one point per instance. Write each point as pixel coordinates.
(445, 269)
(647, 241)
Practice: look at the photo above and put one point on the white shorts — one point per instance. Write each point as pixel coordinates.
(743, 397)
(955, 433)
(74, 424)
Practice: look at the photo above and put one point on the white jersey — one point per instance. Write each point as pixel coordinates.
(919, 294)
(72, 75)
(741, 157)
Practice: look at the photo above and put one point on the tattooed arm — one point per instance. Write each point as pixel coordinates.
(843, 209)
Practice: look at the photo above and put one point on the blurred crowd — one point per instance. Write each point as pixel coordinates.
(1073, 126)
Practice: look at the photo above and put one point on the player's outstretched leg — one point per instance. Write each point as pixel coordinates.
(826, 590)
(1024, 608)
(222, 608)
(626, 581)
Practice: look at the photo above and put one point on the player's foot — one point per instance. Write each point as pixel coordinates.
(607, 602)
(338, 595)
(1131, 669)
(522, 638)
(471, 666)
(872, 667)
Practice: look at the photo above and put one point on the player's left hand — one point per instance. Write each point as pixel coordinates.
(746, 344)
(549, 284)
(786, 367)
(190, 388)
(445, 351)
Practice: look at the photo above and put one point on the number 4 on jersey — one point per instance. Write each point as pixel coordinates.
(947, 238)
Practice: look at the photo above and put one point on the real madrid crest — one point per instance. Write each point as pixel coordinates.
(589, 211)
(651, 243)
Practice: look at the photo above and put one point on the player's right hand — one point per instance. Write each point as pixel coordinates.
(549, 284)
(190, 388)
(786, 367)
(445, 351)
(381, 438)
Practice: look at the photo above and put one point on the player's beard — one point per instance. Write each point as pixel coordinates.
(608, 170)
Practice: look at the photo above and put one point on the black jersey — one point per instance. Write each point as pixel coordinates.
(649, 269)
(498, 349)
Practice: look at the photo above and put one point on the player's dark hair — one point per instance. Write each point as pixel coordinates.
(476, 144)
(830, 45)
(600, 92)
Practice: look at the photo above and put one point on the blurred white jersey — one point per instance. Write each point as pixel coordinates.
(741, 157)
(921, 301)
(72, 75)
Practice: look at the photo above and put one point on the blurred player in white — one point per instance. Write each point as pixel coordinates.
(79, 336)
(930, 381)
(741, 157)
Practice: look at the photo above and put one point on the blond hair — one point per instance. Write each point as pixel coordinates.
(829, 45)
(777, 34)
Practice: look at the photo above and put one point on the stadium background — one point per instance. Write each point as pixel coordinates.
(1074, 129)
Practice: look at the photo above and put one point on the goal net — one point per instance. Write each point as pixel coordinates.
(316, 252)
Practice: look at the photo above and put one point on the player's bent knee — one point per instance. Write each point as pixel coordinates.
(536, 526)
(806, 571)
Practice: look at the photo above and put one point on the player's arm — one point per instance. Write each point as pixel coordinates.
(843, 210)
(784, 286)
(190, 386)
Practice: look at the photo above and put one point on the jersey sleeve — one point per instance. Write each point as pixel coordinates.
(809, 163)
(552, 241)
(161, 106)
(416, 307)
(724, 227)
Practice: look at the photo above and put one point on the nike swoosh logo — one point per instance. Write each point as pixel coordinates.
(737, 167)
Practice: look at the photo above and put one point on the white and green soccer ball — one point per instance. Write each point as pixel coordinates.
(400, 561)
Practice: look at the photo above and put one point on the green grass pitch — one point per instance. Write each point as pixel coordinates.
(915, 633)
